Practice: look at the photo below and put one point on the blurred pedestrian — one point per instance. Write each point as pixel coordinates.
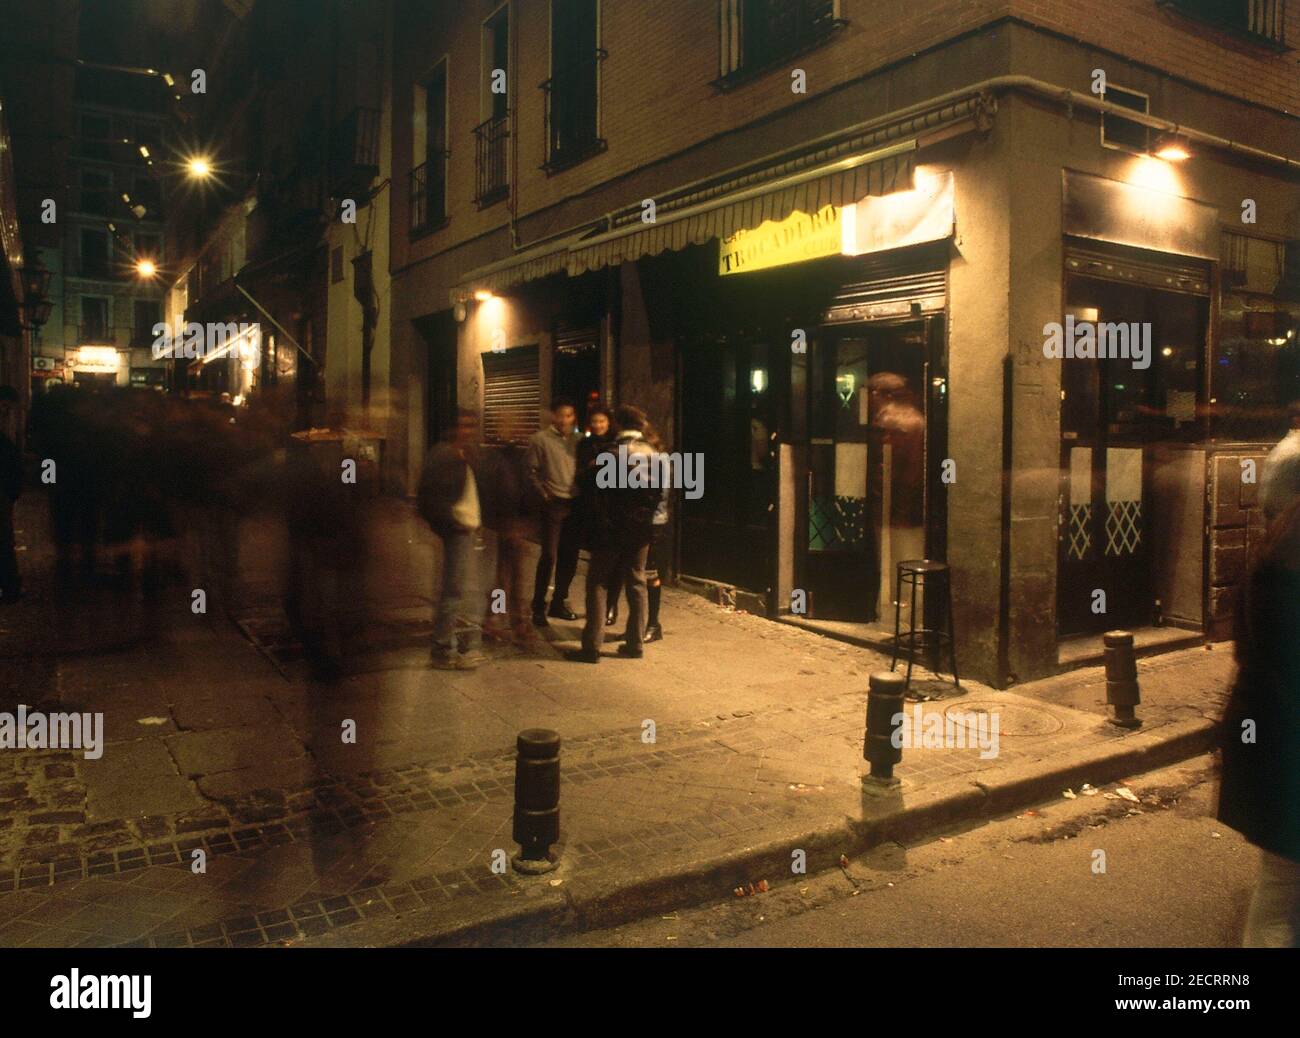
(449, 502)
(1279, 480)
(502, 486)
(1260, 735)
(552, 472)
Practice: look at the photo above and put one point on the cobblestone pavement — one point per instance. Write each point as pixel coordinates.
(222, 746)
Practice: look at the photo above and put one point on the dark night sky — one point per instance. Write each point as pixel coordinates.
(151, 33)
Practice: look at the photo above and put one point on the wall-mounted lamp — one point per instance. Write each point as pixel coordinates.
(1172, 147)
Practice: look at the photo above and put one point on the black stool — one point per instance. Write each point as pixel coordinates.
(925, 573)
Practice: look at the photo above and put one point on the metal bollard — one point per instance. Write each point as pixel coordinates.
(884, 701)
(537, 800)
(1122, 692)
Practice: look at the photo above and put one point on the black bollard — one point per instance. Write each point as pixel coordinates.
(1122, 692)
(537, 799)
(884, 703)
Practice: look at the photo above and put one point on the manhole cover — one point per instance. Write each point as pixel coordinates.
(1013, 718)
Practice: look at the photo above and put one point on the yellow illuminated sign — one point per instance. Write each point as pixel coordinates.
(799, 237)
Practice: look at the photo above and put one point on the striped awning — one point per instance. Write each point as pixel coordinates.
(718, 210)
(871, 159)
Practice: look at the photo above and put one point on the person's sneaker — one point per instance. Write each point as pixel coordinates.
(653, 633)
(581, 656)
(562, 612)
(611, 616)
(539, 619)
(440, 660)
(629, 652)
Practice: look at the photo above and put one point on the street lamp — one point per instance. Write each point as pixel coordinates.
(199, 168)
(146, 268)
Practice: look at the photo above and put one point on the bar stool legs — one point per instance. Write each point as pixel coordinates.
(927, 572)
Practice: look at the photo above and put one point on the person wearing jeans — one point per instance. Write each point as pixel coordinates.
(449, 503)
(551, 464)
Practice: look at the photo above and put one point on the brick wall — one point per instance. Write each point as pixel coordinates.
(657, 97)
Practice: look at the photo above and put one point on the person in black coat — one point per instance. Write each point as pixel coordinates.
(1260, 735)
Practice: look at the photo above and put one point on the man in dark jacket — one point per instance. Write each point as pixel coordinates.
(629, 488)
(1260, 735)
(449, 502)
(11, 484)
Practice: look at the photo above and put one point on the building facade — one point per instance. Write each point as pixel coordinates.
(826, 248)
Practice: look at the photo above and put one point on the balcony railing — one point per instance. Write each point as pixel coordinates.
(1263, 21)
(491, 162)
(761, 33)
(429, 195)
(572, 119)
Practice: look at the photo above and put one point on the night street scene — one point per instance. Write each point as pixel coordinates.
(613, 474)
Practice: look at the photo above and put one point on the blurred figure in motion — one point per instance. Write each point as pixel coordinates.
(325, 518)
(449, 502)
(1260, 735)
(1279, 481)
(503, 488)
(11, 484)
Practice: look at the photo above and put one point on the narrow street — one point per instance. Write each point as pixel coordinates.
(1174, 878)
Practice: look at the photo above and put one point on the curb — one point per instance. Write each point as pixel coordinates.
(600, 901)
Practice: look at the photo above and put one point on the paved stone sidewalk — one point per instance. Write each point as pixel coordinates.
(212, 747)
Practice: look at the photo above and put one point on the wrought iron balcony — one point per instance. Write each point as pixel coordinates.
(572, 129)
(491, 160)
(1263, 21)
(428, 183)
(764, 33)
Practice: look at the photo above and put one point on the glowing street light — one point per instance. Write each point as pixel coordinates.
(146, 268)
(199, 168)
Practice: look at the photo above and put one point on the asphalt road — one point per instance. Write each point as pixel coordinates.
(1173, 877)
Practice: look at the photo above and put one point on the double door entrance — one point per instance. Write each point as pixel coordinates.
(1113, 411)
(864, 493)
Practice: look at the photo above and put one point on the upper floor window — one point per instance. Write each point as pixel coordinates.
(757, 34)
(491, 157)
(429, 177)
(573, 91)
(1261, 20)
(1121, 133)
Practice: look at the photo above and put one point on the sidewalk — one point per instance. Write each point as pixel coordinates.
(215, 744)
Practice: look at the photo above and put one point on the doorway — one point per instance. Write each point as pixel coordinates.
(729, 416)
(1112, 412)
(575, 376)
(866, 480)
(438, 332)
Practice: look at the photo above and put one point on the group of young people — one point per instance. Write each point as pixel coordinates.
(553, 486)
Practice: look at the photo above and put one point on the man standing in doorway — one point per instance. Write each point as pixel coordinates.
(552, 472)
